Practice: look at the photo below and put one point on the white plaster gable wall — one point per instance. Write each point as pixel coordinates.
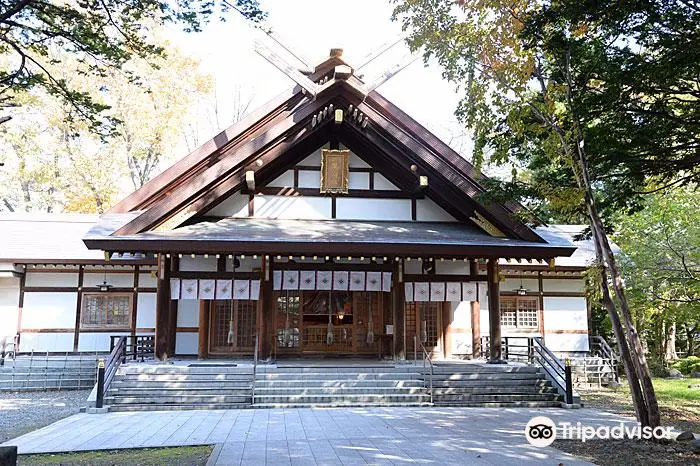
(51, 279)
(285, 180)
(567, 313)
(186, 343)
(428, 211)
(287, 207)
(348, 208)
(49, 310)
(236, 205)
(382, 184)
(9, 300)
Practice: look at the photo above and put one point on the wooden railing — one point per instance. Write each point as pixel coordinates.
(137, 346)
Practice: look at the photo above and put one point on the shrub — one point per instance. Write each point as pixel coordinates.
(688, 365)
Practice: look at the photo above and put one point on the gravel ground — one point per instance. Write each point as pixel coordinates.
(629, 452)
(22, 412)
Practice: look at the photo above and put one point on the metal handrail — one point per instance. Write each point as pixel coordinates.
(255, 370)
(107, 368)
(426, 357)
(559, 372)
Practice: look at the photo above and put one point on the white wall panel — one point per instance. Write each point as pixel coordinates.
(147, 281)
(49, 310)
(51, 279)
(553, 284)
(381, 183)
(236, 205)
(566, 342)
(356, 161)
(285, 180)
(313, 160)
(309, 179)
(119, 280)
(286, 207)
(358, 180)
(9, 301)
(428, 211)
(512, 284)
(461, 314)
(373, 209)
(186, 343)
(188, 313)
(146, 310)
(565, 313)
(96, 341)
(244, 265)
(39, 342)
(198, 264)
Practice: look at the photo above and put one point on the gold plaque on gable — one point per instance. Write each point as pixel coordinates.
(335, 168)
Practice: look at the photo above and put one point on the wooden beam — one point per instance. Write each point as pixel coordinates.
(282, 65)
(398, 300)
(475, 315)
(135, 301)
(172, 311)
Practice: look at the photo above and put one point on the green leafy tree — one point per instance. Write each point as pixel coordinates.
(596, 100)
(98, 36)
(661, 266)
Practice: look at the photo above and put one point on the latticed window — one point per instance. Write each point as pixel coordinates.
(520, 312)
(106, 310)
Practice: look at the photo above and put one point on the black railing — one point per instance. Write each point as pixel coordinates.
(599, 347)
(533, 350)
(107, 368)
(137, 346)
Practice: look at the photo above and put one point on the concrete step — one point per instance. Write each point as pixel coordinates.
(512, 404)
(526, 377)
(163, 391)
(386, 383)
(328, 399)
(181, 384)
(310, 376)
(340, 369)
(170, 398)
(175, 406)
(495, 397)
(290, 391)
(475, 383)
(184, 377)
(339, 404)
(483, 369)
(526, 389)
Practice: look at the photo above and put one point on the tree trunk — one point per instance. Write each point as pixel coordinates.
(670, 354)
(640, 407)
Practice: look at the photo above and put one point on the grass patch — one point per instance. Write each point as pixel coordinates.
(679, 405)
(174, 456)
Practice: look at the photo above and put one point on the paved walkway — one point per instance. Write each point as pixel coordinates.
(321, 436)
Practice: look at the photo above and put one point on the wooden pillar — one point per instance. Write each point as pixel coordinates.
(172, 310)
(269, 309)
(398, 298)
(446, 329)
(475, 314)
(163, 308)
(79, 308)
(203, 341)
(494, 312)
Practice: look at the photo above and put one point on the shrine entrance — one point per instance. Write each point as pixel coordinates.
(424, 324)
(232, 326)
(336, 322)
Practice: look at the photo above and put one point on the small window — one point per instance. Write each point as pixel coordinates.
(520, 312)
(106, 310)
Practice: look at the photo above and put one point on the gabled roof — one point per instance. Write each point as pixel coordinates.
(294, 124)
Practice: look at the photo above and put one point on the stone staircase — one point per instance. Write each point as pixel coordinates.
(491, 385)
(48, 372)
(138, 387)
(334, 386)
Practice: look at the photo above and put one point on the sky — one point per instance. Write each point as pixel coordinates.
(311, 28)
